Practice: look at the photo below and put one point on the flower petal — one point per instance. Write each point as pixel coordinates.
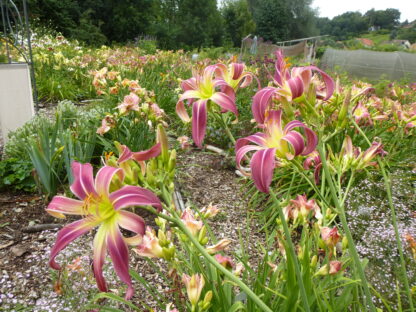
(261, 101)
(61, 205)
(241, 152)
(154, 151)
(66, 235)
(199, 121)
(119, 254)
(103, 179)
(262, 165)
(83, 184)
(181, 111)
(100, 248)
(257, 138)
(311, 141)
(295, 139)
(329, 82)
(134, 223)
(125, 154)
(130, 195)
(296, 86)
(226, 102)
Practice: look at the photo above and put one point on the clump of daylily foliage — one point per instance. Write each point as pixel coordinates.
(312, 140)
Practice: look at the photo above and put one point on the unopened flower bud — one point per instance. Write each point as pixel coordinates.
(193, 286)
(314, 261)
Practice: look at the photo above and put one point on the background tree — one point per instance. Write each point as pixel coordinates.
(238, 21)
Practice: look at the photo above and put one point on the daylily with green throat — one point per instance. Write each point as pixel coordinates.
(201, 91)
(275, 142)
(100, 208)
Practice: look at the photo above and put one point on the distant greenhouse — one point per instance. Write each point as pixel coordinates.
(371, 64)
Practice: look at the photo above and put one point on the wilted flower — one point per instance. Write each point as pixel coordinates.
(150, 246)
(193, 286)
(190, 222)
(314, 161)
(225, 261)
(184, 141)
(106, 125)
(330, 236)
(210, 211)
(101, 208)
(334, 267)
(220, 246)
(301, 206)
(276, 142)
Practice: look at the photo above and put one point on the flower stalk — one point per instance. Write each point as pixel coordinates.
(343, 218)
(175, 219)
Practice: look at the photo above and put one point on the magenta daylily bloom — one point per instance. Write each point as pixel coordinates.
(199, 90)
(276, 142)
(99, 207)
(234, 75)
(289, 85)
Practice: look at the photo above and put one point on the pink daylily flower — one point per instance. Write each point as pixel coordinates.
(199, 90)
(234, 75)
(130, 102)
(276, 142)
(290, 85)
(360, 112)
(99, 207)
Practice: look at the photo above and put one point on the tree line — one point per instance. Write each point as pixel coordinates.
(194, 23)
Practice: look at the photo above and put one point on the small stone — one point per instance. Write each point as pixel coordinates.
(33, 294)
(41, 238)
(18, 251)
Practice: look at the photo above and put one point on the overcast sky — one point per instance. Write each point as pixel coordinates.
(331, 8)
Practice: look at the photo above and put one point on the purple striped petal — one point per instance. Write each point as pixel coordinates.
(189, 84)
(125, 154)
(199, 121)
(258, 138)
(294, 124)
(134, 223)
(242, 151)
(237, 70)
(311, 141)
(119, 253)
(296, 86)
(262, 165)
(329, 82)
(130, 195)
(154, 151)
(181, 111)
(246, 79)
(100, 248)
(295, 139)
(61, 205)
(103, 179)
(225, 102)
(261, 101)
(69, 233)
(83, 184)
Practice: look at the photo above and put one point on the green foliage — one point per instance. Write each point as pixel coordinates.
(385, 19)
(284, 20)
(238, 21)
(16, 175)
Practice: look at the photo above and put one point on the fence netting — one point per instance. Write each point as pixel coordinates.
(371, 64)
